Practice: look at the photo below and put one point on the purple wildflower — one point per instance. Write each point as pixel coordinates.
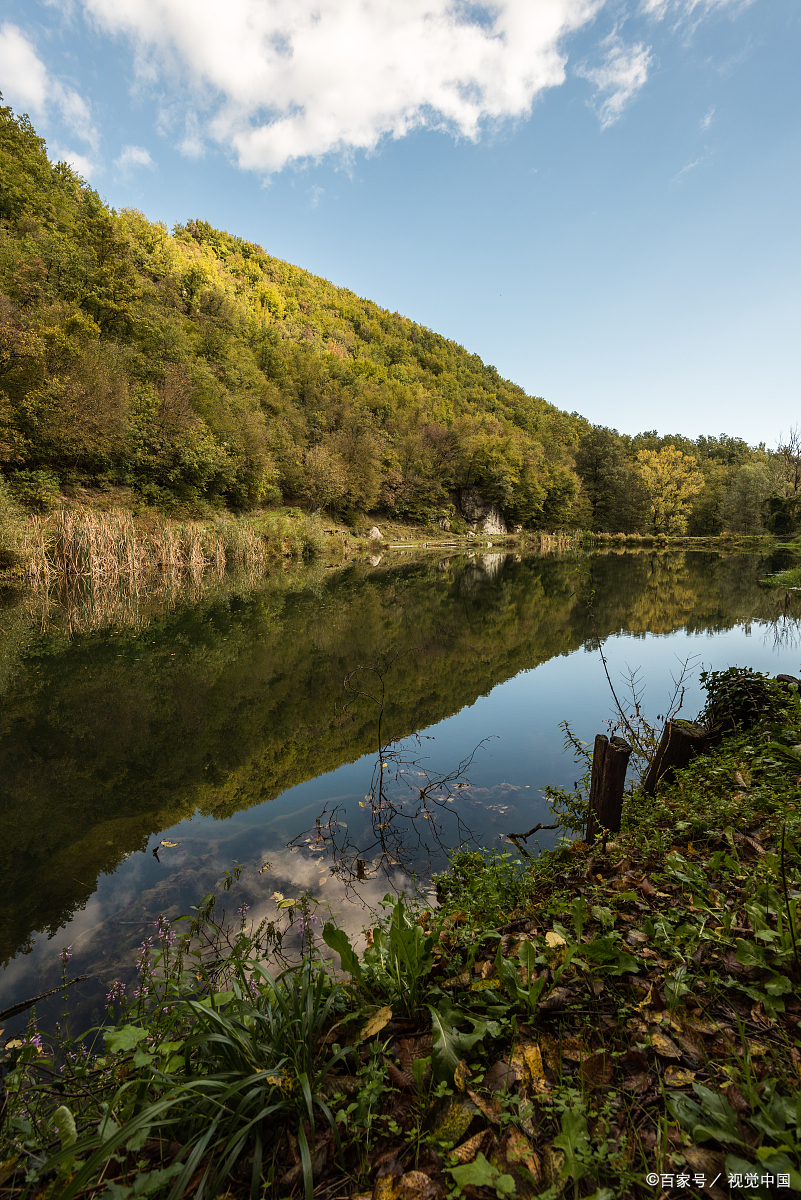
(116, 992)
(305, 922)
(242, 910)
(66, 955)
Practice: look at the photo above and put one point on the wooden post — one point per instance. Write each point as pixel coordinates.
(680, 740)
(609, 763)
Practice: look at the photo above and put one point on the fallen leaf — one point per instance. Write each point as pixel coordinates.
(469, 1149)
(553, 1163)
(376, 1022)
(385, 1188)
(528, 1061)
(596, 1070)
(597, 986)
(557, 999)
(266, 867)
(170, 845)
(634, 1062)
(451, 1118)
(490, 1107)
(554, 939)
(416, 1185)
(639, 1083)
(574, 1049)
(678, 1076)
(664, 1045)
(461, 1076)
(518, 1149)
(691, 1045)
(501, 1077)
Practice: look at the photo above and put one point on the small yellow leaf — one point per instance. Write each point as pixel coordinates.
(554, 939)
(377, 1022)
(266, 867)
(385, 1188)
(664, 1045)
(170, 845)
(461, 1076)
(678, 1076)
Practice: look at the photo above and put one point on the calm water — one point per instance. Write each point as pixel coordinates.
(222, 725)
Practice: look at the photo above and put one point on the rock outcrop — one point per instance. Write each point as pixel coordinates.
(482, 516)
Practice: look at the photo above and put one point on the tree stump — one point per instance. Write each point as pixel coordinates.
(680, 741)
(609, 762)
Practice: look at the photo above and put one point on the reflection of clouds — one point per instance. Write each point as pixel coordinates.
(292, 873)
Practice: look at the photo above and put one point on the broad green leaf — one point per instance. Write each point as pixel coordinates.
(481, 1174)
(449, 1044)
(124, 1038)
(574, 1143)
(338, 940)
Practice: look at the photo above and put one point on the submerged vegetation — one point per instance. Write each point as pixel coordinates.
(601, 1021)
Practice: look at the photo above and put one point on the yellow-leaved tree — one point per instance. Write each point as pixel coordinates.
(671, 479)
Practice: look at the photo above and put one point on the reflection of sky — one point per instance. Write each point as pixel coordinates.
(523, 753)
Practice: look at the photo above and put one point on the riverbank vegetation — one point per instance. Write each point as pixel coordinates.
(201, 375)
(613, 1020)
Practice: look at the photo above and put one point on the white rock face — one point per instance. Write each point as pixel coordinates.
(482, 516)
(375, 534)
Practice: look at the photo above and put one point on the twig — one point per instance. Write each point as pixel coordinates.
(19, 1008)
(536, 829)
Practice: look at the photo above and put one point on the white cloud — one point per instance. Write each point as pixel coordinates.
(623, 73)
(283, 80)
(27, 86)
(23, 74)
(82, 163)
(134, 156)
(706, 120)
(684, 9)
(687, 167)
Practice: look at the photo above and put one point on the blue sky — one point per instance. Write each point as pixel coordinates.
(600, 197)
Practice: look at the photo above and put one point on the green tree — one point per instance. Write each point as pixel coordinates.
(671, 480)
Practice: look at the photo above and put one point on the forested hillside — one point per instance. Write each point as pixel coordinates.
(200, 372)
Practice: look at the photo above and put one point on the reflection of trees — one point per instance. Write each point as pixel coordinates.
(407, 804)
(111, 735)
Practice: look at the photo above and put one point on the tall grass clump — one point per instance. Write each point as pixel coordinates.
(110, 549)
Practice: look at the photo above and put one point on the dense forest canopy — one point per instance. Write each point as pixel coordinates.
(201, 372)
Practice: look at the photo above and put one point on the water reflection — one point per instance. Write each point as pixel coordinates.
(217, 724)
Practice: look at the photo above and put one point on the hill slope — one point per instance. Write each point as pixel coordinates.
(201, 372)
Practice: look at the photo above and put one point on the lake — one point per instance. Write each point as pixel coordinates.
(219, 722)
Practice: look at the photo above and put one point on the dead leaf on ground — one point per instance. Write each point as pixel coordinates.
(678, 1076)
(170, 845)
(416, 1185)
(469, 1149)
(736, 1098)
(710, 1163)
(596, 986)
(574, 1049)
(664, 1045)
(501, 1077)
(634, 1062)
(596, 1070)
(452, 1118)
(554, 939)
(553, 1163)
(557, 999)
(385, 1188)
(639, 1083)
(518, 1149)
(489, 1106)
(527, 1059)
(376, 1023)
(461, 1076)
